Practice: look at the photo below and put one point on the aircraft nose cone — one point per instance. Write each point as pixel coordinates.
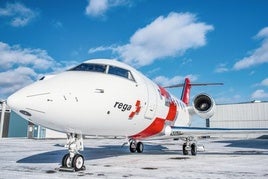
(15, 101)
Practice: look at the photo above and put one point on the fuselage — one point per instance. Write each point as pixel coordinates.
(100, 97)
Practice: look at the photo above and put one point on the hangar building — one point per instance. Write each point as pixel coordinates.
(12, 125)
(240, 115)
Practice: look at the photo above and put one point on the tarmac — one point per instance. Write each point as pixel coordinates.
(107, 158)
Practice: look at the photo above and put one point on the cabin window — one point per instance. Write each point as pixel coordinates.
(90, 67)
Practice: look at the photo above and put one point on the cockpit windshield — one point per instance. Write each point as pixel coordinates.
(90, 67)
(113, 70)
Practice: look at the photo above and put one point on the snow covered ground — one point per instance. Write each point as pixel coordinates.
(105, 158)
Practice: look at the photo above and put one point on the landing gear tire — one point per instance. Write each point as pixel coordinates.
(73, 161)
(193, 149)
(132, 147)
(78, 162)
(190, 145)
(184, 150)
(136, 147)
(139, 147)
(66, 161)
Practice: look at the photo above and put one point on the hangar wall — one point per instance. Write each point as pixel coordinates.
(241, 115)
(5, 125)
(15, 126)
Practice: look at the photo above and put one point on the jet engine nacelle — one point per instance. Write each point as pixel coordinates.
(204, 106)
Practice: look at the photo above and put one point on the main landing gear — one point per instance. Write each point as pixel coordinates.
(73, 161)
(189, 145)
(135, 146)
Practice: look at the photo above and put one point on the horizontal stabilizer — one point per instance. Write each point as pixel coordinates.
(193, 84)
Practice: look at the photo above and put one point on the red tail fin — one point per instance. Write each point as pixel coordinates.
(185, 95)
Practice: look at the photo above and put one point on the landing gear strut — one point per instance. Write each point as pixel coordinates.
(135, 146)
(73, 161)
(189, 145)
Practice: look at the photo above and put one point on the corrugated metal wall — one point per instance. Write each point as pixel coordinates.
(243, 115)
(6, 123)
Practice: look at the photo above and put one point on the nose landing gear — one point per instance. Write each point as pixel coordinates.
(73, 161)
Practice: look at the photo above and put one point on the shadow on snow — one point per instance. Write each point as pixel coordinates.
(107, 151)
(100, 152)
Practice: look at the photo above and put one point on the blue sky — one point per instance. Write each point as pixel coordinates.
(167, 40)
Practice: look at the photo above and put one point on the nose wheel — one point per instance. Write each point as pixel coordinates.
(73, 161)
(76, 163)
(66, 161)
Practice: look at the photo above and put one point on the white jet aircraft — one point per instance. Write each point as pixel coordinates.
(107, 97)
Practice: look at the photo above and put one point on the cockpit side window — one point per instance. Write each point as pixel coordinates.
(120, 72)
(130, 76)
(90, 67)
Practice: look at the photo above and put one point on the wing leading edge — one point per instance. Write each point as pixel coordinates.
(177, 131)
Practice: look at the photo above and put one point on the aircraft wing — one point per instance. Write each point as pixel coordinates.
(177, 131)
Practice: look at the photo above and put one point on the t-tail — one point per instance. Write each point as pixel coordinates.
(185, 95)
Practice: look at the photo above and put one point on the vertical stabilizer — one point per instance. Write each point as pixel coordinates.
(185, 95)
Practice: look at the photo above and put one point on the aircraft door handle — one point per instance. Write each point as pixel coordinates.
(98, 90)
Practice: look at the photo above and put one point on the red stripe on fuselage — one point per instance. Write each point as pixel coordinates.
(172, 111)
(172, 105)
(159, 123)
(154, 128)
